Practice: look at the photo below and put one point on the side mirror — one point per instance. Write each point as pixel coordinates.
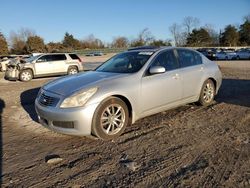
(39, 61)
(157, 70)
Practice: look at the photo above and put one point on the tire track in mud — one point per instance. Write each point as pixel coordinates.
(159, 161)
(61, 168)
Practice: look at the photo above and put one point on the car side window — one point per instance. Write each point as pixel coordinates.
(188, 58)
(167, 60)
(58, 57)
(44, 58)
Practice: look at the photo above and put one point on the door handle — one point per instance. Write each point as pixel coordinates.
(202, 68)
(176, 76)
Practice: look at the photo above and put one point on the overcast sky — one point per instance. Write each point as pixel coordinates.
(107, 19)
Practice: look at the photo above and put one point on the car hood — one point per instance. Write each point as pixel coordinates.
(70, 84)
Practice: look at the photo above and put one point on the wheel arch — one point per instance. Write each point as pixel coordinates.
(28, 68)
(129, 105)
(214, 82)
(76, 66)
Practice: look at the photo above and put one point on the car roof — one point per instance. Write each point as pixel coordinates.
(150, 48)
(55, 54)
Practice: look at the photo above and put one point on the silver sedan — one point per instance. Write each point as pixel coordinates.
(129, 86)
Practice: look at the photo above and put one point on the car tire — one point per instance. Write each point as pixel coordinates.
(238, 57)
(110, 119)
(72, 70)
(26, 75)
(207, 93)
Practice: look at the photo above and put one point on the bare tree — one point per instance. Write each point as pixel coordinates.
(178, 35)
(18, 39)
(190, 23)
(25, 33)
(145, 35)
(92, 42)
(120, 42)
(213, 34)
(144, 38)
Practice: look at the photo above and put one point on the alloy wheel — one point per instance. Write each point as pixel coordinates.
(208, 93)
(26, 76)
(112, 119)
(73, 71)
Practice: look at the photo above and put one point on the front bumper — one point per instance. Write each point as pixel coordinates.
(11, 74)
(72, 121)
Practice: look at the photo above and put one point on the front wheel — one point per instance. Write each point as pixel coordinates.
(26, 75)
(207, 93)
(110, 119)
(72, 70)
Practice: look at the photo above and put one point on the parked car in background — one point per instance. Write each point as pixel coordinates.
(225, 55)
(129, 86)
(95, 54)
(243, 54)
(5, 60)
(208, 52)
(90, 54)
(3, 64)
(98, 54)
(44, 65)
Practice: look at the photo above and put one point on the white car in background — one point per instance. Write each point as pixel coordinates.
(51, 64)
(225, 55)
(4, 63)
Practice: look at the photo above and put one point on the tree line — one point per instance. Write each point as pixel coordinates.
(188, 33)
(191, 34)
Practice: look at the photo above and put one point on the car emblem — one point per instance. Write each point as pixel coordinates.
(44, 100)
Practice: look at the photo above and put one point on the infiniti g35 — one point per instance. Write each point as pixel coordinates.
(129, 86)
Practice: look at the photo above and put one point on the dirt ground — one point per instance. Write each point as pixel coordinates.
(190, 146)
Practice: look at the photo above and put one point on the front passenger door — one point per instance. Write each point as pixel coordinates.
(43, 65)
(159, 91)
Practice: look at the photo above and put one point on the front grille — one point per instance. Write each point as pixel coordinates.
(48, 100)
(64, 124)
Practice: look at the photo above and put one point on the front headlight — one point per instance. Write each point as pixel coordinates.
(78, 99)
(39, 93)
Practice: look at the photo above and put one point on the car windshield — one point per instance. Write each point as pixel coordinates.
(32, 58)
(128, 62)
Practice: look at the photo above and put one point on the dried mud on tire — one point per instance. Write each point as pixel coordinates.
(190, 146)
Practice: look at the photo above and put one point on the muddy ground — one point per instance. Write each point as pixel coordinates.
(190, 146)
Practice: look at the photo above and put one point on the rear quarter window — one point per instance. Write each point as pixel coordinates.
(59, 57)
(74, 57)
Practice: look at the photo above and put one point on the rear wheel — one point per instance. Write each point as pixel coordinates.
(72, 70)
(207, 93)
(26, 75)
(110, 119)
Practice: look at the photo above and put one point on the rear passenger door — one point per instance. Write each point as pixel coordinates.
(59, 63)
(192, 71)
